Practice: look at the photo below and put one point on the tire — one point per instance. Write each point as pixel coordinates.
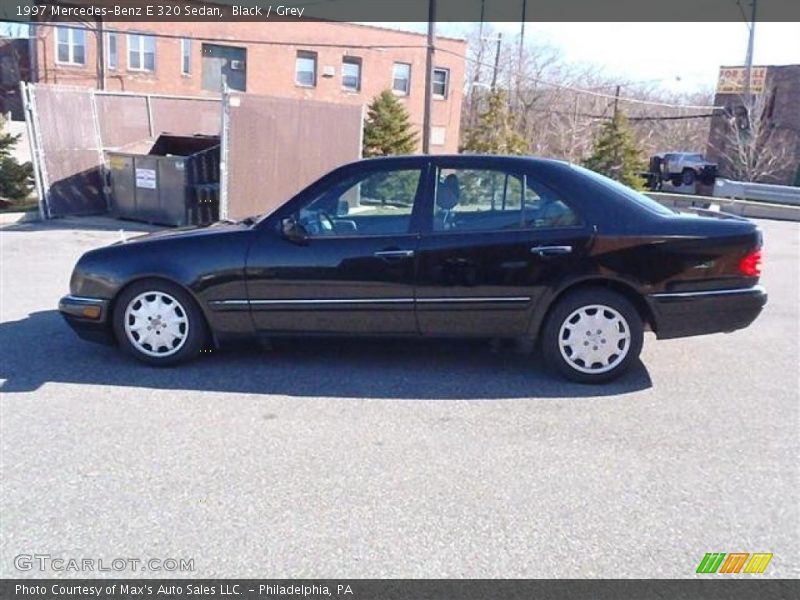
(688, 177)
(179, 328)
(570, 339)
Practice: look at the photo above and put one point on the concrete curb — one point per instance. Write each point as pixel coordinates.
(18, 217)
(742, 208)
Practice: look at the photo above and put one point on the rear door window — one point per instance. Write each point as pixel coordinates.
(496, 200)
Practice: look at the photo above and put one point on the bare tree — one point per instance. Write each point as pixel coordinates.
(559, 106)
(750, 146)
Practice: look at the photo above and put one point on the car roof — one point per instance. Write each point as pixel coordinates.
(488, 158)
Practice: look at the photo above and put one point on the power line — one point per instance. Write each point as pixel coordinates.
(590, 92)
(596, 117)
(174, 36)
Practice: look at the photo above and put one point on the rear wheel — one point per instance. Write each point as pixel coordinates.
(688, 177)
(592, 336)
(159, 323)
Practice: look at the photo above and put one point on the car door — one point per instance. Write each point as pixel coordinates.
(341, 258)
(495, 240)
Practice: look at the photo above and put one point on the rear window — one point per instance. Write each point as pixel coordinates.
(624, 190)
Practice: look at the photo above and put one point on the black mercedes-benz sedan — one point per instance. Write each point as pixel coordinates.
(469, 246)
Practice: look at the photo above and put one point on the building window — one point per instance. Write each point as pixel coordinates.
(141, 52)
(306, 68)
(351, 73)
(441, 82)
(401, 78)
(113, 53)
(70, 46)
(186, 56)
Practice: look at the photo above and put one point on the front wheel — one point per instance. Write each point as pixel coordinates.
(159, 323)
(592, 336)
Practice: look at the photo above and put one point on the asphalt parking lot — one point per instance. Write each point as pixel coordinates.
(393, 459)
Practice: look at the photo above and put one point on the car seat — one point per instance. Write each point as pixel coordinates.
(447, 197)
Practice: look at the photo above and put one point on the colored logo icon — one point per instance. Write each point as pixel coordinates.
(735, 562)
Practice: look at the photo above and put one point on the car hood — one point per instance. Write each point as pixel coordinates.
(191, 231)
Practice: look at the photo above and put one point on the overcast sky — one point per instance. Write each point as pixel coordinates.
(648, 51)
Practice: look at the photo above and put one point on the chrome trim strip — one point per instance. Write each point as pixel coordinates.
(369, 300)
(337, 301)
(86, 299)
(477, 299)
(229, 302)
(757, 289)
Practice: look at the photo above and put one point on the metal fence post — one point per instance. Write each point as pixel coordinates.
(101, 151)
(35, 143)
(223, 152)
(149, 115)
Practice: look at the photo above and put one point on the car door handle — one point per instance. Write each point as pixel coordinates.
(551, 250)
(394, 254)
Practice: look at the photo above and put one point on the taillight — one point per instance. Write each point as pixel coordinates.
(750, 265)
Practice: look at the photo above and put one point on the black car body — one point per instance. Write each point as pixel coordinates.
(482, 246)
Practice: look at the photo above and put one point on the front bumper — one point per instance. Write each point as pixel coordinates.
(683, 314)
(88, 317)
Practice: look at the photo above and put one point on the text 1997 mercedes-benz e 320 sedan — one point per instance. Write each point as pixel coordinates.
(479, 246)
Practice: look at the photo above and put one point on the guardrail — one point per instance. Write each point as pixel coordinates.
(742, 208)
(763, 192)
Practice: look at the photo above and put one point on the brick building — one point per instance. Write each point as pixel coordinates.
(328, 61)
(14, 67)
(777, 106)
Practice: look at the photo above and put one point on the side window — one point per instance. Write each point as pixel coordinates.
(491, 200)
(372, 203)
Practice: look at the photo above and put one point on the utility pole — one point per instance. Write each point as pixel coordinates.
(480, 44)
(101, 55)
(617, 165)
(478, 68)
(521, 53)
(522, 32)
(426, 121)
(497, 60)
(748, 72)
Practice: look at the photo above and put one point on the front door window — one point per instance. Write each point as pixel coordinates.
(367, 204)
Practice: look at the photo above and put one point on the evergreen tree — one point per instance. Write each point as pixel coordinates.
(495, 133)
(616, 153)
(388, 127)
(15, 178)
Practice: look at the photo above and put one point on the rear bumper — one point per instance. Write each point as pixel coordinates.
(79, 313)
(683, 314)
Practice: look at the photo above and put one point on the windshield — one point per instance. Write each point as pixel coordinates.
(624, 190)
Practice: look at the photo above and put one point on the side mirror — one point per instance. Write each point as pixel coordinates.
(294, 231)
(343, 208)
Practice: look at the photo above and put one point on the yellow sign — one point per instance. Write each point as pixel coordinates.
(731, 80)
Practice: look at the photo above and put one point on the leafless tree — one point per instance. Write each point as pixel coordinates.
(559, 106)
(750, 145)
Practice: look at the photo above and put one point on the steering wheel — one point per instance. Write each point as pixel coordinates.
(317, 222)
(325, 221)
